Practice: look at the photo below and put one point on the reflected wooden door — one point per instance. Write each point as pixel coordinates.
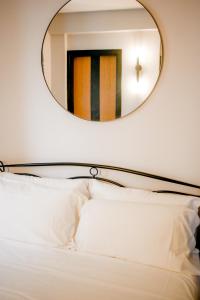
(82, 87)
(94, 84)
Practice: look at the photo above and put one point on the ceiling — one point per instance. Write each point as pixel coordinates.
(99, 5)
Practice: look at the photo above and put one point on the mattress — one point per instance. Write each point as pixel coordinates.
(31, 272)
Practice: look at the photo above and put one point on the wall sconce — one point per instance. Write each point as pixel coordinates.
(138, 69)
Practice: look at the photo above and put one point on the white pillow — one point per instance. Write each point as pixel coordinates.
(39, 214)
(157, 235)
(79, 184)
(101, 190)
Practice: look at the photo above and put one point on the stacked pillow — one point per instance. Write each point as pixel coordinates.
(41, 211)
(101, 190)
(140, 226)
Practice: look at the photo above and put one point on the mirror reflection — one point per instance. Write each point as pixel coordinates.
(102, 59)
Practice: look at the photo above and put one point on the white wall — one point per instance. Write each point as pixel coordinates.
(161, 137)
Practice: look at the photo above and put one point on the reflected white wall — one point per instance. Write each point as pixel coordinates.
(148, 43)
(139, 38)
(58, 68)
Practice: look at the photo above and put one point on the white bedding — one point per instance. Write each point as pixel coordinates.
(34, 272)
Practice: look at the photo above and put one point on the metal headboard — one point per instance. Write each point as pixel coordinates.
(94, 172)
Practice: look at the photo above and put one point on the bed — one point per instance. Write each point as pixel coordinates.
(36, 271)
(30, 272)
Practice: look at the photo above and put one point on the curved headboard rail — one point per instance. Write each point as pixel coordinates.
(96, 167)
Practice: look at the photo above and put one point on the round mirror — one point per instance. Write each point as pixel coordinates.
(102, 59)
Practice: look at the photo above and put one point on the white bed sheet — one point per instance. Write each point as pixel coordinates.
(33, 272)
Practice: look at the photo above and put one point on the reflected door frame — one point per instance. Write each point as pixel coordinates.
(95, 79)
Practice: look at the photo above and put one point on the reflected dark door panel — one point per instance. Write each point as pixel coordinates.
(94, 84)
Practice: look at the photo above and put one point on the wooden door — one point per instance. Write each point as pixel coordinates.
(108, 88)
(94, 84)
(82, 87)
